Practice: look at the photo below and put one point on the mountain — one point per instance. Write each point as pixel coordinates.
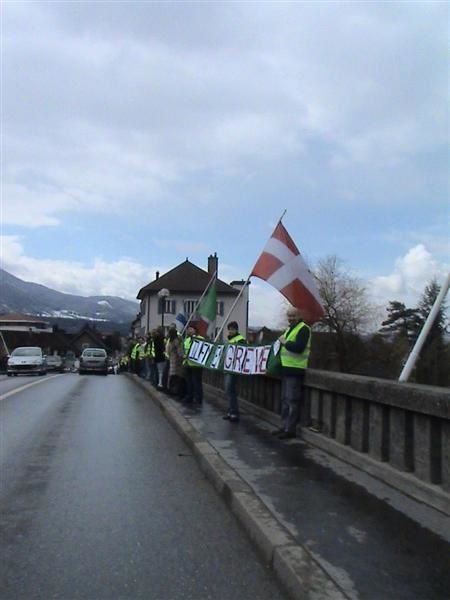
(18, 296)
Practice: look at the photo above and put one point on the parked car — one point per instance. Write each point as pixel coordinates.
(55, 363)
(26, 359)
(93, 360)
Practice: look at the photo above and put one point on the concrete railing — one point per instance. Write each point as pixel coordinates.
(404, 426)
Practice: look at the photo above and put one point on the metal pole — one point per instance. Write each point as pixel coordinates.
(240, 293)
(198, 302)
(406, 372)
(231, 309)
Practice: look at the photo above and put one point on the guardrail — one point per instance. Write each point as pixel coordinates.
(403, 426)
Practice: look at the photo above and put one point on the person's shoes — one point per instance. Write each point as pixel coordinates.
(234, 418)
(226, 417)
(287, 435)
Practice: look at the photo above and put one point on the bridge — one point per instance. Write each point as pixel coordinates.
(359, 506)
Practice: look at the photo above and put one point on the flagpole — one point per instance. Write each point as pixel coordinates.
(406, 372)
(199, 301)
(241, 292)
(232, 308)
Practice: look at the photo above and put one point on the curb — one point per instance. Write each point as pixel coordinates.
(294, 566)
(405, 483)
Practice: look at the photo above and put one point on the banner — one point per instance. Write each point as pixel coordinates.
(233, 358)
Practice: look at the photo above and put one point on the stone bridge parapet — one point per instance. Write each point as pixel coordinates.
(396, 431)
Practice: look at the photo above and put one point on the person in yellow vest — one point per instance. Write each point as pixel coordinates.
(141, 358)
(133, 354)
(193, 372)
(229, 380)
(294, 354)
(147, 356)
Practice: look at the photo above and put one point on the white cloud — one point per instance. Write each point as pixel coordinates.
(127, 101)
(267, 306)
(411, 273)
(122, 278)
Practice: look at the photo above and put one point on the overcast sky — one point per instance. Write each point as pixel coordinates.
(136, 134)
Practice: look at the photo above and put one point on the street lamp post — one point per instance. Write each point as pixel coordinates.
(162, 295)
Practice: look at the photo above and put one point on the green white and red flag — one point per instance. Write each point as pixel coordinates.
(207, 311)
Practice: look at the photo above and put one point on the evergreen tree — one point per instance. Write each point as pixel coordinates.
(402, 322)
(432, 366)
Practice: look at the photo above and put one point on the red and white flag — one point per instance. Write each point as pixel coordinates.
(282, 265)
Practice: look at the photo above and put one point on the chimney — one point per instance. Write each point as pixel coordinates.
(213, 264)
(157, 274)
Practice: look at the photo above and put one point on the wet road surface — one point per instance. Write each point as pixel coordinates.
(376, 543)
(100, 499)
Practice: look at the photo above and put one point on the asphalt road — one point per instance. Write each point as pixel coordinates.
(101, 499)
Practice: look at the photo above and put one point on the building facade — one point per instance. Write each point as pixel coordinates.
(184, 287)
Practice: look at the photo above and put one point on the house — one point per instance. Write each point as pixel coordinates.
(184, 286)
(87, 337)
(263, 335)
(27, 330)
(19, 322)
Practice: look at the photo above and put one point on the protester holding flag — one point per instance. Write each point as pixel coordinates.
(283, 267)
(229, 380)
(193, 372)
(294, 354)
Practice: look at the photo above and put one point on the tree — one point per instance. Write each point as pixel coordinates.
(406, 324)
(401, 322)
(347, 308)
(432, 367)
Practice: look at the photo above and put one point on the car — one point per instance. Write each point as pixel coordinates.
(55, 363)
(26, 359)
(93, 360)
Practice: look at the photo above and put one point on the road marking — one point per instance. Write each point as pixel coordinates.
(28, 385)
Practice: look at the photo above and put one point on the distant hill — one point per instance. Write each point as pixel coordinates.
(106, 312)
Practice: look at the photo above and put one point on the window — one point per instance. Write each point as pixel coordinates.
(189, 307)
(170, 306)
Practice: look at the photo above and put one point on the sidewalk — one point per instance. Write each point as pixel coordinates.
(328, 529)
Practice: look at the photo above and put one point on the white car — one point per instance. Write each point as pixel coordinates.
(26, 359)
(93, 360)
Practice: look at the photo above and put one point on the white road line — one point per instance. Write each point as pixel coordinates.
(28, 385)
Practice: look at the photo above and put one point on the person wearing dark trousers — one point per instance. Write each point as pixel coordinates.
(193, 373)
(160, 358)
(294, 354)
(229, 380)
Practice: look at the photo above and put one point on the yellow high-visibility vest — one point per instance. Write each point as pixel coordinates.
(187, 346)
(236, 339)
(294, 360)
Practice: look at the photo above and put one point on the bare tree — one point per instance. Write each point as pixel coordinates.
(347, 308)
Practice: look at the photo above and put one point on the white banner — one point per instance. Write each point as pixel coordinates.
(231, 358)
